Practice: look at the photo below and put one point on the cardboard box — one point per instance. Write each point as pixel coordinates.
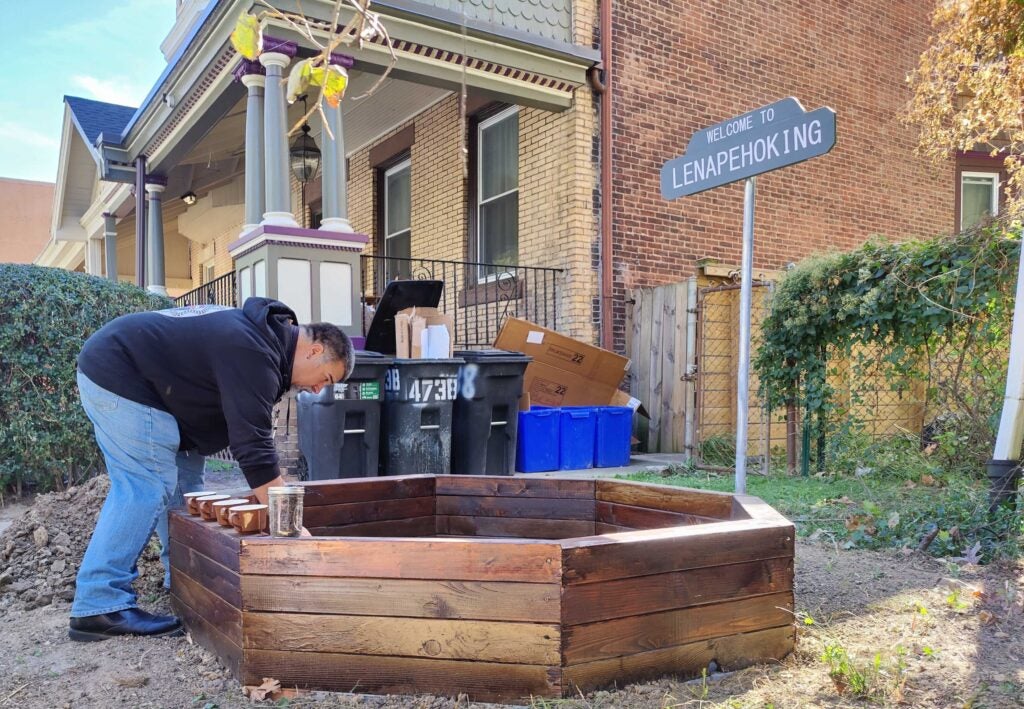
(564, 371)
(565, 353)
(409, 326)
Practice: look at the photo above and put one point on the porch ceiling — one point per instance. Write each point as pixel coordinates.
(217, 155)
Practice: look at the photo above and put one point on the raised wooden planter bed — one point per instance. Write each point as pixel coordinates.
(501, 588)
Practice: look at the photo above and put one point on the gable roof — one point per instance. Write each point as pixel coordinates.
(95, 117)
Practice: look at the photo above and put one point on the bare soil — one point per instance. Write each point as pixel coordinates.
(944, 635)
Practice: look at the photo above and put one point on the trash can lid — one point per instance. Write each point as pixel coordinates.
(367, 357)
(492, 355)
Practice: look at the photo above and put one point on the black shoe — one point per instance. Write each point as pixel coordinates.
(131, 621)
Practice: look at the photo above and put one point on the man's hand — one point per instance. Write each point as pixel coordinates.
(261, 491)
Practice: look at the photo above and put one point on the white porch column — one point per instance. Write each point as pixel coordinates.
(155, 276)
(110, 245)
(334, 179)
(276, 56)
(93, 256)
(253, 76)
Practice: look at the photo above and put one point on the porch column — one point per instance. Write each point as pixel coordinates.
(334, 179)
(253, 76)
(110, 245)
(155, 276)
(140, 221)
(93, 257)
(279, 204)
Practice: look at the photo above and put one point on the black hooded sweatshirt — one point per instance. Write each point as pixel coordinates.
(217, 370)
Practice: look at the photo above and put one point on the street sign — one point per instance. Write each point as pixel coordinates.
(764, 139)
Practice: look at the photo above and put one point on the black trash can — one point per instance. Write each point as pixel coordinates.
(417, 431)
(339, 428)
(486, 412)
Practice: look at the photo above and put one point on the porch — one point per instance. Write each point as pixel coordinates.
(479, 296)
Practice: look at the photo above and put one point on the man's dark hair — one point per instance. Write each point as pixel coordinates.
(336, 344)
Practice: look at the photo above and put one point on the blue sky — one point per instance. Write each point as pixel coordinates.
(107, 50)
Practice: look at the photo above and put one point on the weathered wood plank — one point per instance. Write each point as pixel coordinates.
(469, 600)
(214, 609)
(437, 558)
(756, 508)
(216, 578)
(627, 636)
(229, 654)
(481, 681)
(654, 406)
(605, 528)
(645, 517)
(476, 640)
(535, 507)
(502, 486)
(372, 511)
(674, 549)
(677, 400)
(639, 374)
(732, 652)
(509, 527)
(409, 527)
(208, 538)
(591, 602)
(336, 492)
(669, 375)
(717, 505)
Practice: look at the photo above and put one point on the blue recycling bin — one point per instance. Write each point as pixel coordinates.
(577, 430)
(537, 441)
(614, 427)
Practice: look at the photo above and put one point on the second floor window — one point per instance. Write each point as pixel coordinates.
(497, 190)
(979, 197)
(398, 218)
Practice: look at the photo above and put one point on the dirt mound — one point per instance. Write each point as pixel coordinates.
(40, 552)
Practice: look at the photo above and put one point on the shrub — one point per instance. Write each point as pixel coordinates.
(46, 315)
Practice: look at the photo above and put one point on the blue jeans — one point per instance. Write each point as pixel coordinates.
(147, 475)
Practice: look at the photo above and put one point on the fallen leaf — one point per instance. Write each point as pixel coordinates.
(844, 500)
(986, 618)
(258, 694)
(910, 484)
(927, 480)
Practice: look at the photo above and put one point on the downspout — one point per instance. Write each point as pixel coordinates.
(602, 86)
(140, 221)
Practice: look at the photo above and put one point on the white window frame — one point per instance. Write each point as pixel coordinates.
(483, 125)
(994, 203)
(397, 167)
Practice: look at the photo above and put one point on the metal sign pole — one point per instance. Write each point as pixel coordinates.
(743, 378)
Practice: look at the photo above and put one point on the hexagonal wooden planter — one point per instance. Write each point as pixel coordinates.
(501, 588)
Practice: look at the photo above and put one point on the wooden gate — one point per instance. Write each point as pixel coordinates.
(660, 333)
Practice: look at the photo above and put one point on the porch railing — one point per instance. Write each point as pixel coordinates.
(479, 296)
(219, 291)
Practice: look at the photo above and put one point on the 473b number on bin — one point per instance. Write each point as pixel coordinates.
(423, 390)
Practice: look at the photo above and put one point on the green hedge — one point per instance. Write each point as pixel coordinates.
(46, 314)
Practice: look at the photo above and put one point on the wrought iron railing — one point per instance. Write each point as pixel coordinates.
(219, 291)
(479, 296)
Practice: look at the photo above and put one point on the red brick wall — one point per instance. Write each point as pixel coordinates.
(687, 64)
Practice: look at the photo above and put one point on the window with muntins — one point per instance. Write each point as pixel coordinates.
(497, 192)
(979, 197)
